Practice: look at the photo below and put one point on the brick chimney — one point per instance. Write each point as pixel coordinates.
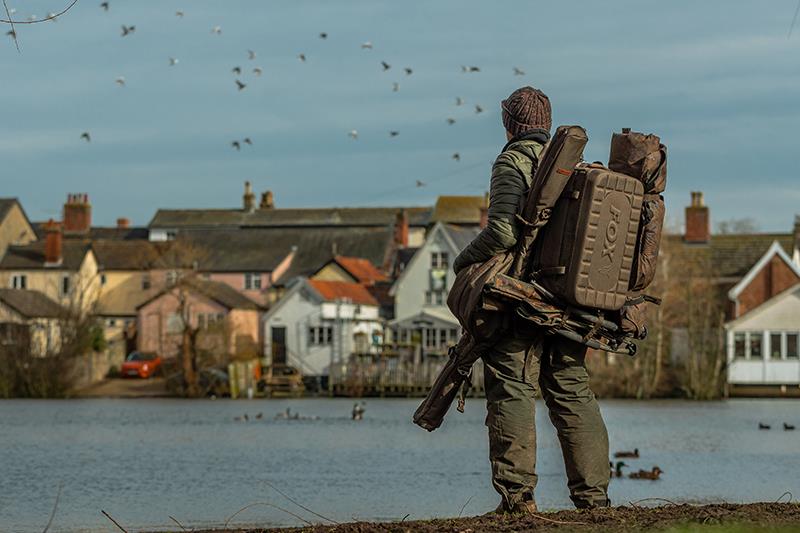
(484, 221)
(53, 242)
(401, 229)
(77, 214)
(698, 221)
(796, 232)
(267, 200)
(123, 223)
(249, 199)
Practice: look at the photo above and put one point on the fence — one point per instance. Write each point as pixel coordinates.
(392, 374)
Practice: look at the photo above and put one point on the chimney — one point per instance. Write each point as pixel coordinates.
(401, 229)
(53, 241)
(485, 211)
(698, 223)
(249, 198)
(796, 232)
(77, 214)
(267, 201)
(123, 223)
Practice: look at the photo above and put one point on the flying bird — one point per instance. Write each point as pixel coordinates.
(518, 72)
(12, 34)
(237, 70)
(251, 55)
(257, 71)
(457, 156)
(469, 69)
(104, 5)
(85, 135)
(236, 145)
(451, 121)
(240, 85)
(31, 18)
(323, 35)
(367, 45)
(459, 100)
(217, 30)
(127, 29)
(52, 17)
(420, 183)
(395, 87)
(478, 109)
(120, 81)
(179, 14)
(353, 134)
(247, 140)
(386, 66)
(301, 57)
(173, 61)
(408, 71)
(394, 133)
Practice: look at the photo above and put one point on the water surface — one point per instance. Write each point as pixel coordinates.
(145, 460)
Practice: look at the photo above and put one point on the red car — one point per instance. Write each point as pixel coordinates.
(141, 365)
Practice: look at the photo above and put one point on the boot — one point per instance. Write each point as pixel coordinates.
(518, 508)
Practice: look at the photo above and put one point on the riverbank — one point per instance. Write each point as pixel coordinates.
(773, 517)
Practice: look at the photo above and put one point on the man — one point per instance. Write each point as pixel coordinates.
(524, 357)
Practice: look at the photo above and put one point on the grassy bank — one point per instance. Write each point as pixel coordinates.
(759, 517)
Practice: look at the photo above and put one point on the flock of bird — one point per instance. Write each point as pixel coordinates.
(786, 427)
(241, 84)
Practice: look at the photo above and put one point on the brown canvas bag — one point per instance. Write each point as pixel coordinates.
(645, 158)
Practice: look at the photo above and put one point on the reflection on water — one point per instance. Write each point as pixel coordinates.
(144, 460)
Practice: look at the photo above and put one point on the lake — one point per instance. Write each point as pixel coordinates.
(143, 461)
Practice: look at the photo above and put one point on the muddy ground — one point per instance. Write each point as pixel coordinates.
(749, 517)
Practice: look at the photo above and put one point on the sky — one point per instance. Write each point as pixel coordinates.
(718, 80)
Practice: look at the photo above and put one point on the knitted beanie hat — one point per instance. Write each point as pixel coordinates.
(526, 109)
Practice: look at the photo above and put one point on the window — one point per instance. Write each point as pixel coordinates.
(775, 346)
(435, 297)
(201, 321)
(430, 338)
(453, 335)
(439, 260)
(19, 281)
(145, 281)
(111, 322)
(172, 277)
(756, 345)
(791, 345)
(252, 281)
(739, 340)
(320, 335)
(171, 234)
(102, 279)
(65, 285)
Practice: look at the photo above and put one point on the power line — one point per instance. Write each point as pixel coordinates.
(426, 181)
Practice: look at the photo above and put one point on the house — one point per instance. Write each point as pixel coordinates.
(40, 319)
(15, 228)
(318, 323)
(168, 223)
(762, 337)
(227, 322)
(420, 292)
(64, 270)
(756, 273)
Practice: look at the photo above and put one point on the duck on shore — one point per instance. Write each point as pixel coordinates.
(788, 427)
(627, 455)
(761, 425)
(653, 474)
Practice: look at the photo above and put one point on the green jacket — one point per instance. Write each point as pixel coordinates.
(511, 178)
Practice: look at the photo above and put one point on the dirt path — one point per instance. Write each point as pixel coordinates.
(771, 517)
(125, 388)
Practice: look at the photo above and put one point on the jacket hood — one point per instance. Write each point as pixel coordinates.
(522, 142)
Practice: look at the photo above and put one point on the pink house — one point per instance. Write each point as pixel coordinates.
(226, 320)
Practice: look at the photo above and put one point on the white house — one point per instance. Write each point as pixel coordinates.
(420, 292)
(763, 340)
(318, 323)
